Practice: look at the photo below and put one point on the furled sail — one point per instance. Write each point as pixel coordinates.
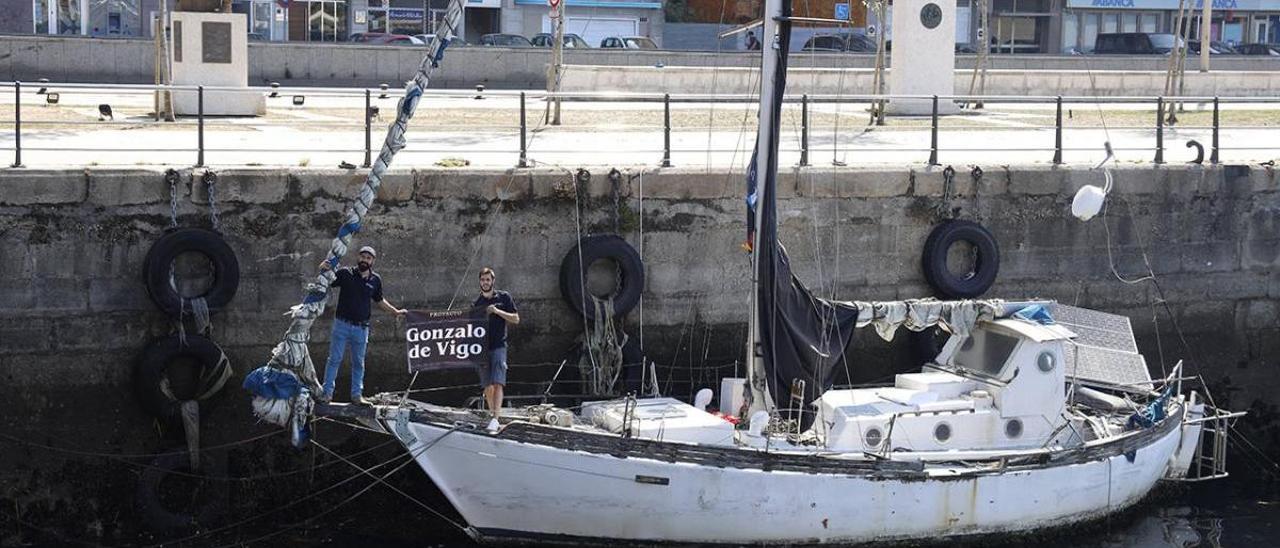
(799, 337)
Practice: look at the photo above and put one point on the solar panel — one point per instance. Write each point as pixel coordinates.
(1104, 349)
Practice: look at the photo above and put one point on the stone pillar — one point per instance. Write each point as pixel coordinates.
(212, 49)
(923, 59)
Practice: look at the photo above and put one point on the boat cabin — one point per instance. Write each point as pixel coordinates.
(1000, 387)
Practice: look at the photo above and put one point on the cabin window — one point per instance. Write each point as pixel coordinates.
(1045, 361)
(873, 437)
(985, 352)
(1013, 428)
(942, 432)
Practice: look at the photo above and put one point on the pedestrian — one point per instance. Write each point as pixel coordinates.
(501, 310)
(359, 287)
(753, 43)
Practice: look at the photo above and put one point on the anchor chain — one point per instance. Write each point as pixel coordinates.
(210, 180)
(171, 177)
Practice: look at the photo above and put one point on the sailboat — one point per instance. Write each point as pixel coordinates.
(1033, 415)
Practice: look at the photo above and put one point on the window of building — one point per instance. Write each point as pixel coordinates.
(1070, 31)
(1128, 22)
(1089, 36)
(1149, 22)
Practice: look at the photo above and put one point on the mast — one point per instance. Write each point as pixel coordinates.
(776, 30)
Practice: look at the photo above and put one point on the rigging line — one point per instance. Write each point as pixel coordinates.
(1093, 88)
(275, 510)
(133, 455)
(493, 217)
(424, 505)
(715, 73)
(326, 512)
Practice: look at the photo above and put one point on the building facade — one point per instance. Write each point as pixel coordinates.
(337, 20)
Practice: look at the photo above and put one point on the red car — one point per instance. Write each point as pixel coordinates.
(385, 38)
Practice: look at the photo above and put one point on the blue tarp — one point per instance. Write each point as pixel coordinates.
(1035, 313)
(272, 383)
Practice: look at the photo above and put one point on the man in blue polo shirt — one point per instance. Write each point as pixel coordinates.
(502, 311)
(359, 287)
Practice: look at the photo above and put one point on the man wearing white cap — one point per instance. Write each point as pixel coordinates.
(359, 287)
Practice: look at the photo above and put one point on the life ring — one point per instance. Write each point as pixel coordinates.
(168, 481)
(985, 266)
(596, 248)
(156, 269)
(156, 390)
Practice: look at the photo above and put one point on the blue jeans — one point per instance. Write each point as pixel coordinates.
(346, 335)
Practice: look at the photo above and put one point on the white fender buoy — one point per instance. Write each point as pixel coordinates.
(758, 421)
(1089, 199)
(702, 399)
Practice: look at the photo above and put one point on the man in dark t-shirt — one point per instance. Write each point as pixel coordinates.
(359, 287)
(502, 311)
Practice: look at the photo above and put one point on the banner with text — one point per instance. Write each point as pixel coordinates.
(446, 339)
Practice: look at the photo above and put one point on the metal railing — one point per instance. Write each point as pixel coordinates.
(931, 154)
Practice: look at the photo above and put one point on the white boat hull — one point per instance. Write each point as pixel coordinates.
(511, 490)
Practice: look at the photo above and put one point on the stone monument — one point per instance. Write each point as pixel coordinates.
(923, 59)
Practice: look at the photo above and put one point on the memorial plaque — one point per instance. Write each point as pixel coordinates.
(930, 15)
(215, 42)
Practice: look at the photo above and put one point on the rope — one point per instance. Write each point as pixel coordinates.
(21, 441)
(424, 505)
(291, 353)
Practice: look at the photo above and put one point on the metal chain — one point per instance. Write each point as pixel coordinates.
(171, 177)
(210, 183)
(948, 187)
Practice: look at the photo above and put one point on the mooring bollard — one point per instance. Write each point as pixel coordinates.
(933, 134)
(200, 126)
(666, 130)
(17, 126)
(804, 130)
(1057, 134)
(368, 129)
(1213, 155)
(1159, 130)
(524, 140)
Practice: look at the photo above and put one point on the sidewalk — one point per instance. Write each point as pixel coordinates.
(329, 130)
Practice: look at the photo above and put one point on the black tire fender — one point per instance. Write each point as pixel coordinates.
(986, 264)
(168, 478)
(151, 374)
(594, 248)
(156, 267)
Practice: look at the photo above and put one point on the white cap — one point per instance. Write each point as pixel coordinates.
(369, 249)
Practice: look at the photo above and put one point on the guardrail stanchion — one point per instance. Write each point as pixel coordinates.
(933, 134)
(524, 141)
(1057, 134)
(17, 126)
(804, 130)
(1159, 130)
(666, 130)
(368, 130)
(1213, 155)
(200, 126)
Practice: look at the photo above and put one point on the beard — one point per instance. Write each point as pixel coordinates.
(363, 266)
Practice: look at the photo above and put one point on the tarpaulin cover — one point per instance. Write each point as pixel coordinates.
(272, 383)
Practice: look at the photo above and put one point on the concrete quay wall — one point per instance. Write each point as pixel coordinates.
(127, 61)
(74, 314)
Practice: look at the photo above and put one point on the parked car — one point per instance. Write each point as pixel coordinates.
(453, 42)
(385, 38)
(842, 42)
(544, 40)
(1257, 49)
(1215, 48)
(505, 40)
(628, 42)
(256, 37)
(1134, 43)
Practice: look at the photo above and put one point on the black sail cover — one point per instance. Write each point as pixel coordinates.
(801, 337)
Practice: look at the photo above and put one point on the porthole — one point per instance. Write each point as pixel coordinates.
(873, 437)
(1045, 361)
(942, 432)
(1013, 429)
